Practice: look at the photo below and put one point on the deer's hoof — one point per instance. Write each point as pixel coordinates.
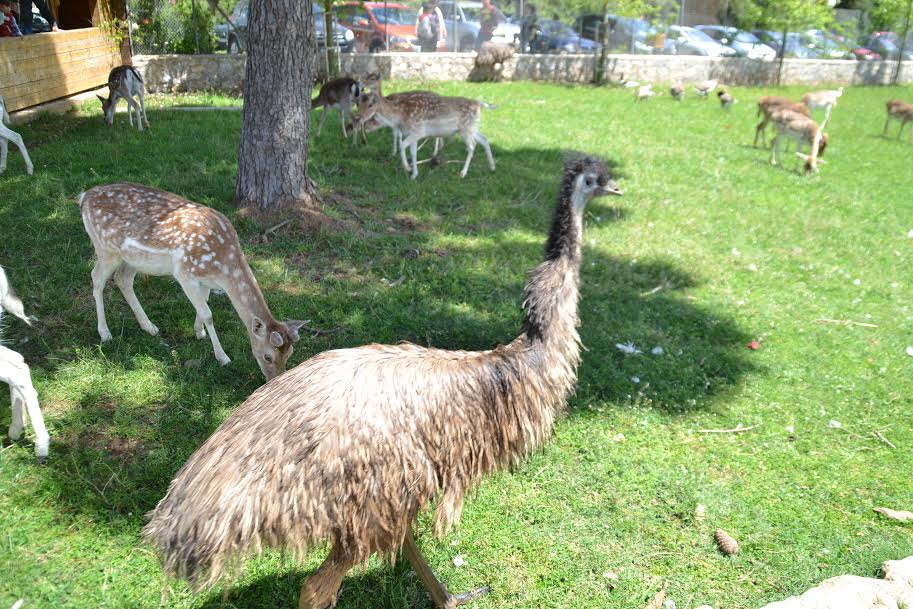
(152, 330)
(224, 360)
(14, 434)
(105, 336)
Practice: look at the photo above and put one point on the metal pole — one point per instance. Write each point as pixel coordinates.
(386, 27)
(456, 30)
(903, 44)
(782, 55)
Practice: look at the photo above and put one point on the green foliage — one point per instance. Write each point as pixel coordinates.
(794, 15)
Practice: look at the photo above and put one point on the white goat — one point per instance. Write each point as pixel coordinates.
(124, 82)
(822, 100)
(431, 116)
(8, 135)
(15, 372)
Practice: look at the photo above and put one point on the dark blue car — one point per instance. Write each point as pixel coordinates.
(556, 37)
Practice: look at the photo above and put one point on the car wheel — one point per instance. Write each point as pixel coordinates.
(377, 46)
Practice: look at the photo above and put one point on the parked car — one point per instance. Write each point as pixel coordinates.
(376, 23)
(554, 36)
(462, 25)
(622, 31)
(798, 47)
(689, 41)
(830, 47)
(745, 44)
(506, 31)
(237, 33)
(887, 45)
(220, 31)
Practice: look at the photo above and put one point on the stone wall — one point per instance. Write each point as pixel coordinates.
(171, 73)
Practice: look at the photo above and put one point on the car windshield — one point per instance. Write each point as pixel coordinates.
(556, 27)
(471, 13)
(747, 37)
(389, 15)
(696, 35)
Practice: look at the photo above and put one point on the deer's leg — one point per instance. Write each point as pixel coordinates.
(397, 140)
(344, 114)
(774, 145)
(15, 372)
(441, 598)
(413, 149)
(197, 294)
(17, 424)
(760, 130)
(321, 589)
(484, 141)
(470, 150)
(198, 327)
(17, 139)
(886, 121)
(3, 153)
(142, 106)
(104, 268)
(323, 117)
(123, 279)
(133, 105)
(403, 144)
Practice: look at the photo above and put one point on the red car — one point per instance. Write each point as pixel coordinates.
(377, 24)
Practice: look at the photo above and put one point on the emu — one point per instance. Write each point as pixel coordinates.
(15, 372)
(351, 445)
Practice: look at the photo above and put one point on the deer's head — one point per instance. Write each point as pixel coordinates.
(273, 342)
(107, 107)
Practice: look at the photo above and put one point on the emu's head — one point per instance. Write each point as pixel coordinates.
(273, 343)
(588, 177)
(107, 107)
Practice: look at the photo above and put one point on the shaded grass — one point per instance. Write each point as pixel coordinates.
(709, 249)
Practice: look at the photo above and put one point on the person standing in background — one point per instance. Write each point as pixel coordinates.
(25, 17)
(489, 23)
(428, 28)
(528, 27)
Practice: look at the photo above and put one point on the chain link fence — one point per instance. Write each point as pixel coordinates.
(172, 26)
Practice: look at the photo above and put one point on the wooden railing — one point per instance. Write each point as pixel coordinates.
(42, 67)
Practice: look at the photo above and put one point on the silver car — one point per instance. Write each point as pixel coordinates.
(689, 41)
(745, 44)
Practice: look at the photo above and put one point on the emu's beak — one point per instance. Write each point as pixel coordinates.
(611, 188)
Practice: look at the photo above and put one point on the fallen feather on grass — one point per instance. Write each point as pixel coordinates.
(627, 348)
(459, 561)
(835, 424)
(910, 351)
(657, 350)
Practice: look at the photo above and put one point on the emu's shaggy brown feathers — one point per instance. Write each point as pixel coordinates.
(352, 444)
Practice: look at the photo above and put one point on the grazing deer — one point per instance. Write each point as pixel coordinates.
(900, 111)
(15, 372)
(822, 100)
(364, 125)
(677, 91)
(136, 228)
(726, 99)
(342, 94)
(802, 130)
(644, 92)
(767, 105)
(8, 135)
(124, 82)
(705, 88)
(431, 116)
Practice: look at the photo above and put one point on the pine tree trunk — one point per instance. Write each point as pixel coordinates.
(273, 154)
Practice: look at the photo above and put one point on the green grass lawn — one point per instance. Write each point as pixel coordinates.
(709, 249)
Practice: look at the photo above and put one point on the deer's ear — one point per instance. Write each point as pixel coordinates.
(275, 339)
(257, 327)
(293, 326)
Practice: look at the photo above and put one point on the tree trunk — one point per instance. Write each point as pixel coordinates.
(273, 153)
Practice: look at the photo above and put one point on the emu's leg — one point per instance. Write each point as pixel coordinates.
(123, 279)
(321, 589)
(441, 598)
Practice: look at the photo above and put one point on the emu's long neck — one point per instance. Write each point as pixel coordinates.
(554, 286)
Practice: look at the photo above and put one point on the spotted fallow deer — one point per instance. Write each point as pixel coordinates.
(431, 116)
(124, 82)
(136, 228)
(802, 130)
(899, 110)
(766, 107)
